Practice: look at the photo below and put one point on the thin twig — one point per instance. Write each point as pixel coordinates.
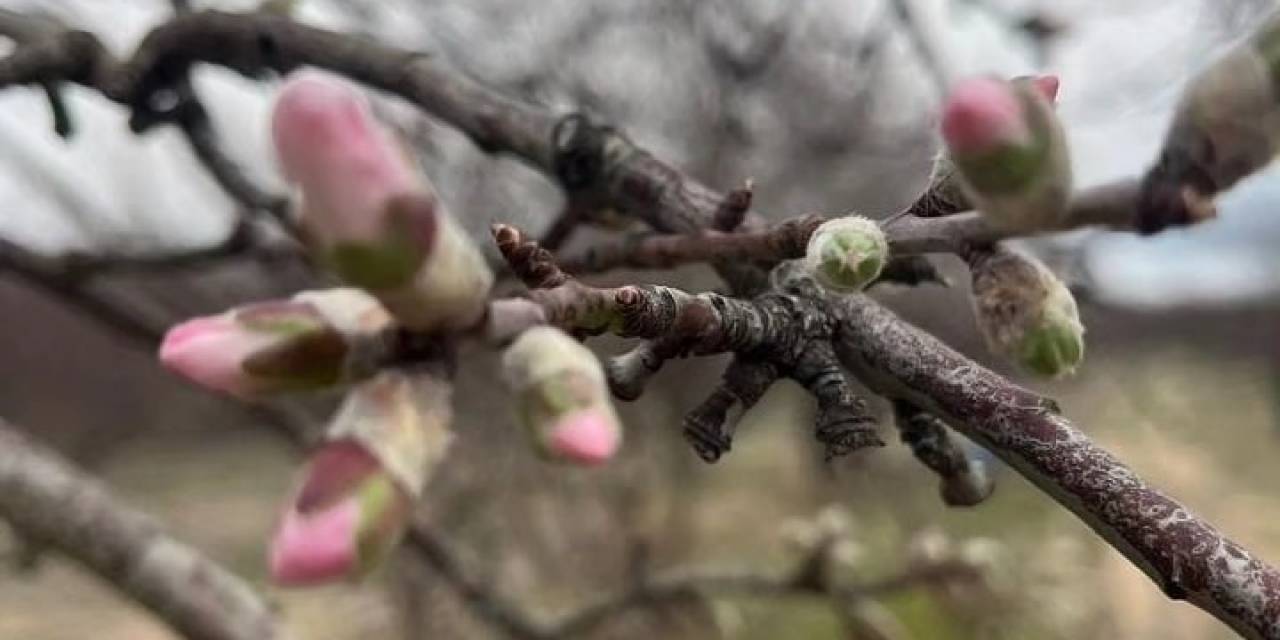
(1109, 206)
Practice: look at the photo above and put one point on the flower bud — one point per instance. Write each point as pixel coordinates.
(969, 487)
(562, 397)
(1226, 127)
(372, 218)
(346, 517)
(271, 347)
(1009, 151)
(847, 254)
(358, 490)
(1026, 314)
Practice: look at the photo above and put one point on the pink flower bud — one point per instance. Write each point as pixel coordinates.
(273, 346)
(562, 397)
(345, 518)
(373, 219)
(587, 437)
(212, 351)
(983, 114)
(357, 493)
(330, 145)
(1009, 151)
(317, 547)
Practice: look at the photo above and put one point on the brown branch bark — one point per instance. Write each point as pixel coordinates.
(67, 49)
(50, 501)
(1183, 554)
(1110, 206)
(787, 327)
(783, 241)
(965, 481)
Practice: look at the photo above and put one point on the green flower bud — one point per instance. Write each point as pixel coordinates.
(1027, 315)
(847, 254)
(562, 397)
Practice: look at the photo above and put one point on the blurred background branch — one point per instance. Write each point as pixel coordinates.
(51, 501)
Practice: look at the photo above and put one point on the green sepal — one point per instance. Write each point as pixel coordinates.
(382, 523)
(280, 318)
(388, 265)
(1052, 349)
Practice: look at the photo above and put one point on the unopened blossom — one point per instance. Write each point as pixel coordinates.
(369, 213)
(1009, 151)
(562, 397)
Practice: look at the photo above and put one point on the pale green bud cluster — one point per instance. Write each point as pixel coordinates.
(1027, 315)
(847, 254)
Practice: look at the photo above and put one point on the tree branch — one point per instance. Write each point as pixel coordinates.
(965, 481)
(68, 53)
(50, 501)
(1180, 552)
(787, 327)
(1111, 206)
(1183, 554)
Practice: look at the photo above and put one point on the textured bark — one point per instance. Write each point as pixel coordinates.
(710, 427)
(50, 501)
(783, 241)
(1183, 554)
(789, 327)
(964, 481)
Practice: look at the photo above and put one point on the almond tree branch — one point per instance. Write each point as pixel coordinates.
(185, 110)
(589, 160)
(50, 501)
(1179, 551)
(1183, 554)
(787, 328)
(47, 275)
(965, 481)
(1111, 206)
(783, 241)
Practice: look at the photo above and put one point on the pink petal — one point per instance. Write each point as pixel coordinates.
(209, 352)
(335, 470)
(193, 328)
(585, 437)
(329, 143)
(981, 114)
(317, 547)
(1048, 85)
